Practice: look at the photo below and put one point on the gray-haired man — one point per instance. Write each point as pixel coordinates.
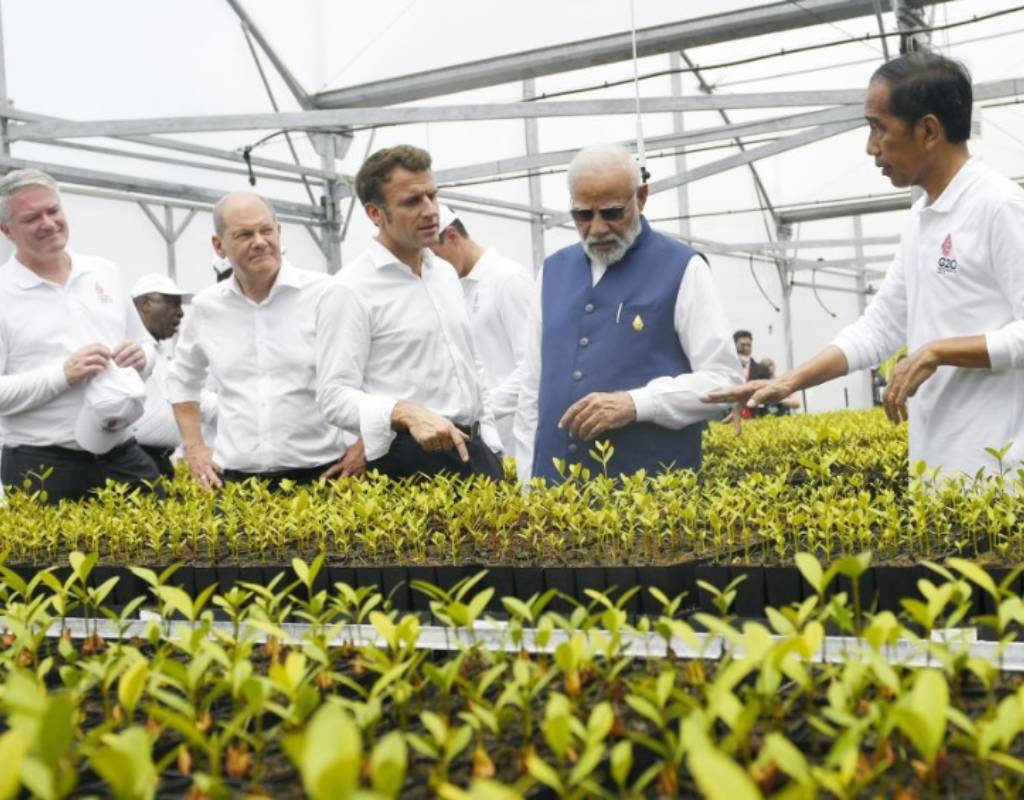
(71, 345)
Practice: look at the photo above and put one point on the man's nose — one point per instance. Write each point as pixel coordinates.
(598, 226)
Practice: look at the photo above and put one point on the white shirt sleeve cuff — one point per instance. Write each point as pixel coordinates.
(58, 381)
(850, 351)
(1000, 350)
(375, 425)
(644, 404)
(183, 393)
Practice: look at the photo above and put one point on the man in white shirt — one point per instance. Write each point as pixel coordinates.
(254, 334)
(160, 303)
(66, 321)
(626, 333)
(954, 293)
(395, 358)
(498, 292)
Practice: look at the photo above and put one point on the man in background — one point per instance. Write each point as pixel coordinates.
(498, 292)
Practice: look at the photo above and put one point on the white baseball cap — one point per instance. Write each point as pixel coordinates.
(161, 284)
(114, 399)
(445, 217)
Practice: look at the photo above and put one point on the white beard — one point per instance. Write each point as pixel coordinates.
(622, 244)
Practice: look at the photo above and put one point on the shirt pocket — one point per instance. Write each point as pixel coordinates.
(634, 335)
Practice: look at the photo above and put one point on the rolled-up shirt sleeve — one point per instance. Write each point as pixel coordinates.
(1006, 240)
(342, 349)
(186, 375)
(673, 401)
(882, 329)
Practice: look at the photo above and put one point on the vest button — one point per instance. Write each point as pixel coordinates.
(584, 341)
(577, 376)
(573, 448)
(588, 307)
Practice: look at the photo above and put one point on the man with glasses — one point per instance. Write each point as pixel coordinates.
(626, 334)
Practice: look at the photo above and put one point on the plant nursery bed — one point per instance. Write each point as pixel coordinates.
(703, 583)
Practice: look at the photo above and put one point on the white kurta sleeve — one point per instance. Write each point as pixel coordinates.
(673, 401)
(343, 339)
(524, 427)
(882, 329)
(515, 297)
(1006, 242)
(186, 375)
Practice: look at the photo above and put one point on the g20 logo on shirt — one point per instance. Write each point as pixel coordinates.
(947, 265)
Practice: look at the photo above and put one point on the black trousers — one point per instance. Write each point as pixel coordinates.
(162, 458)
(303, 476)
(74, 473)
(407, 458)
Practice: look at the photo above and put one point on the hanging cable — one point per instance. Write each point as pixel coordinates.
(641, 155)
(764, 294)
(814, 288)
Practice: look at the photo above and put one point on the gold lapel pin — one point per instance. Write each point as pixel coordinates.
(638, 324)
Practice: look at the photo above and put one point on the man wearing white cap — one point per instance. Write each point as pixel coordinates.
(160, 302)
(498, 293)
(72, 347)
(254, 333)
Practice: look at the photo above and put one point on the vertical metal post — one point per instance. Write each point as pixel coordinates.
(171, 240)
(784, 234)
(683, 191)
(5, 145)
(533, 183)
(331, 225)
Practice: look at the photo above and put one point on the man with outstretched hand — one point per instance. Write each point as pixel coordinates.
(954, 293)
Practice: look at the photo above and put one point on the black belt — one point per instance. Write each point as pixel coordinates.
(74, 455)
(472, 431)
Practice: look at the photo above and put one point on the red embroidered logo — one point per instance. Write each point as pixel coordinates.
(102, 295)
(947, 265)
(947, 245)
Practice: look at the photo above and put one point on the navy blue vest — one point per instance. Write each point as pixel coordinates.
(615, 336)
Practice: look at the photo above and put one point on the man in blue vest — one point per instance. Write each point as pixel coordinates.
(626, 334)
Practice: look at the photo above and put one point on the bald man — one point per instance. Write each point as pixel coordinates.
(626, 333)
(254, 333)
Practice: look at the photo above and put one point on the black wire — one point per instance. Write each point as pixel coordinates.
(764, 294)
(814, 288)
(782, 52)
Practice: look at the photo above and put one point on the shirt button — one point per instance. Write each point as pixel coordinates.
(577, 376)
(573, 448)
(588, 307)
(584, 341)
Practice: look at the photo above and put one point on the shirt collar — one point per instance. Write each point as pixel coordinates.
(287, 278)
(380, 257)
(482, 266)
(946, 201)
(26, 278)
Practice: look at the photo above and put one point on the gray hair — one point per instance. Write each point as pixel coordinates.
(600, 158)
(218, 209)
(18, 179)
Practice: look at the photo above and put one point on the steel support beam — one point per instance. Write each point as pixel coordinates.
(679, 128)
(557, 158)
(146, 186)
(698, 32)
(347, 117)
(532, 137)
(301, 95)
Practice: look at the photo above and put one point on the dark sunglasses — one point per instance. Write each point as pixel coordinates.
(610, 214)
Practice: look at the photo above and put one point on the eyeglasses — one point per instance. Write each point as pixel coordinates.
(610, 214)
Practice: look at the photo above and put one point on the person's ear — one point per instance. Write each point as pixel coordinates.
(375, 213)
(931, 129)
(641, 195)
(218, 246)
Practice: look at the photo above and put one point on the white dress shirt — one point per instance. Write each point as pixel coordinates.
(498, 294)
(385, 335)
(959, 271)
(672, 401)
(41, 325)
(157, 426)
(261, 355)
